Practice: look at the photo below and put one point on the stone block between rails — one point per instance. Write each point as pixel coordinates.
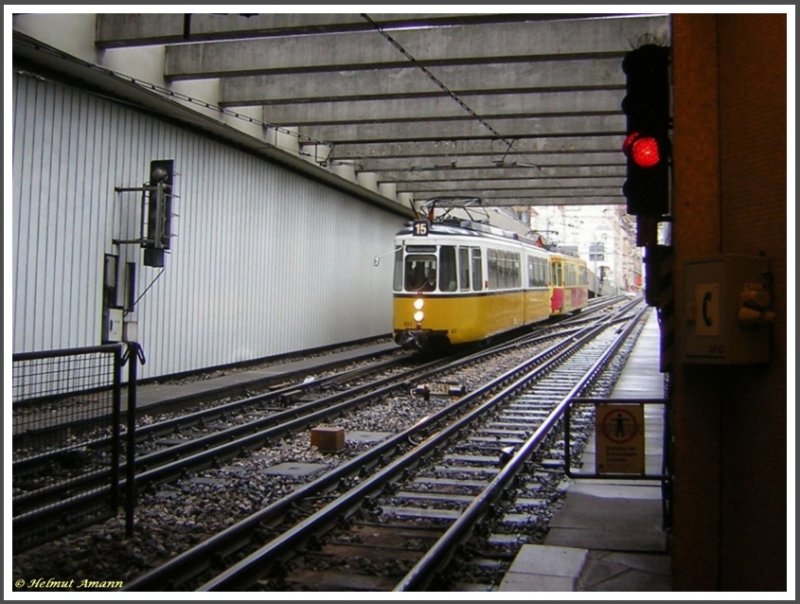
(328, 439)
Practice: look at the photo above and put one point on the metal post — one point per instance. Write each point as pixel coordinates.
(134, 355)
(567, 452)
(666, 465)
(116, 413)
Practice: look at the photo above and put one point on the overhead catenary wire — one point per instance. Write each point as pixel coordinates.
(434, 79)
(439, 83)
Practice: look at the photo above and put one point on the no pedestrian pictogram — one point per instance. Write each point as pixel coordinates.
(620, 426)
(620, 438)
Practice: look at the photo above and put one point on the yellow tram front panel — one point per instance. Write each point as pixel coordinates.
(459, 318)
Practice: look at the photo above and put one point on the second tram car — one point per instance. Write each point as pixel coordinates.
(569, 278)
(457, 282)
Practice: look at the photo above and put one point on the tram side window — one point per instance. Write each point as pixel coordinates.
(463, 268)
(569, 275)
(512, 270)
(556, 274)
(491, 265)
(501, 270)
(447, 268)
(537, 272)
(512, 273)
(398, 269)
(477, 270)
(515, 272)
(505, 269)
(500, 280)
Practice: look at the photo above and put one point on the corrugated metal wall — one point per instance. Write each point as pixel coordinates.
(265, 261)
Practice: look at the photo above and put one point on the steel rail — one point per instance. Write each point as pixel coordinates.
(200, 452)
(243, 573)
(208, 445)
(420, 576)
(172, 424)
(203, 452)
(195, 559)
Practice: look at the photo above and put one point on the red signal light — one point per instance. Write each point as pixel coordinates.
(647, 123)
(643, 150)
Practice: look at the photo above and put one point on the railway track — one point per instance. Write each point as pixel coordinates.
(410, 489)
(205, 437)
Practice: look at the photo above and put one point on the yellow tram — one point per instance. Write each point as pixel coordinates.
(459, 281)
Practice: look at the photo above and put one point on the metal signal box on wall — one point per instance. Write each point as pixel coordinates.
(727, 302)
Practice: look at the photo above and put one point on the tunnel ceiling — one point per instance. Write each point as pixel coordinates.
(517, 109)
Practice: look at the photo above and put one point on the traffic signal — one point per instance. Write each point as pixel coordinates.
(159, 212)
(647, 146)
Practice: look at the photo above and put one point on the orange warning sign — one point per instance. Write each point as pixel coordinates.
(619, 431)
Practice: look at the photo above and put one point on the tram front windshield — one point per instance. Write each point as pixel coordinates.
(428, 268)
(420, 272)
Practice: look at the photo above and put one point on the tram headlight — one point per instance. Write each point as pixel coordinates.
(419, 303)
(418, 316)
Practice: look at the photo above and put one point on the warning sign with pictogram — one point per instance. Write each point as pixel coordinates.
(619, 435)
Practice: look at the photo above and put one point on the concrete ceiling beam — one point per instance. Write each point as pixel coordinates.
(520, 173)
(507, 129)
(538, 119)
(553, 104)
(551, 40)
(492, 200)
(483, 184)
(137, 29)
(451, 150)
(408, 166)
(493, 78)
